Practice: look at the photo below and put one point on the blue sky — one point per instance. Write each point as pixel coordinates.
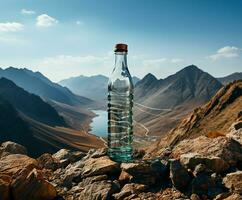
(63, 38)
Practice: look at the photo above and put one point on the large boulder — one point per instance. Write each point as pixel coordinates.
(179, 175)
(12, 164)
(147, 172)
(233, 181)
(224, 148)
(216, 164)
(32, 185)
(89, 167)
(97, 187)
(47, 161)
(19, 174)
(65, 156)
(12, 148)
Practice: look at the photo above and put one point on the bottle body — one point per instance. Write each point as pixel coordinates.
(120, 115)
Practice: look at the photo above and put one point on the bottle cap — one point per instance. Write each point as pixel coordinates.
(121, 48)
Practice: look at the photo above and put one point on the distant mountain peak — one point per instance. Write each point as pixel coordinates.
(150, 77)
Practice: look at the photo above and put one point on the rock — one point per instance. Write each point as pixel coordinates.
(222, 196)
(146, 172)
(216, 164)
(202, 185)
(224, 148)
(5, 187)
(179, 175)
(172, 194)
(199, 169)
(195, 197)
(233, 181)
(125, 177)
(130, 189)
(235, 131)
(90, 167)
(234, 197)
(12, 148)
(138, 153)
(65, 156)
(32, 185)
(47, 161)
(11, 164)
(96, 153)
(98, 190)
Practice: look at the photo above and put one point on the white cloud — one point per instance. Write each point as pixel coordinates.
(45, 20)
(11, 27)
(27, 12)
(226, 52)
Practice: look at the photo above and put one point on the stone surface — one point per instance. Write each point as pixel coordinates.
(225, 148)
(233, 181)
(12, 148)
(47, 161)
(216, 164)
(235, 131)
(11, 164)
(32, 185)
(179, 175)
(65, 156)
(90, 167)
(98, 190)
(130, 189)
(5, 187)
(146, 172)
(234, 197)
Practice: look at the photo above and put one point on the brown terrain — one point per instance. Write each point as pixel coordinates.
(213, 119)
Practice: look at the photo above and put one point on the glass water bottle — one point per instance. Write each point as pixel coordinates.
(120, 104)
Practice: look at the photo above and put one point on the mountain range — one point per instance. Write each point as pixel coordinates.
(37, 83)
(53, 116)
(160, 104)
(232, 77)
(29, 120)
(93, 87)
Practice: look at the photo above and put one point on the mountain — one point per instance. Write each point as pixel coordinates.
(37, 83)
(161, 104)
(29, 104)
(93, 87)
(27, 119)
(213, 119)
(14, 128)
(232, 77)
(188, 85)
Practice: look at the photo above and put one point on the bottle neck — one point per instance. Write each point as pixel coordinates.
(121, 60)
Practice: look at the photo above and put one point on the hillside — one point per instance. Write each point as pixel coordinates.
(29, 104)
(93, 87)
(213, 119)
(161, 104)
(232, 77)
(37, 83)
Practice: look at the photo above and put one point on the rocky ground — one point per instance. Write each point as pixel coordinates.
(200, 168)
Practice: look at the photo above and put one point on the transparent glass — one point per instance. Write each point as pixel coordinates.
(120, 115)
